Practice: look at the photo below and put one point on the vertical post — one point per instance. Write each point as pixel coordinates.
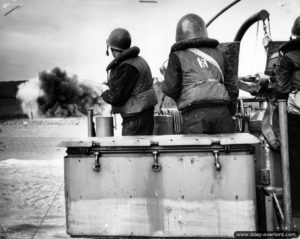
(269, 213)
(284, 147)
(91, 129)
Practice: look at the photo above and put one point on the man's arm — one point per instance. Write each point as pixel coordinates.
(121, 85)
(230, 82)
(282, 84)
(172, 85)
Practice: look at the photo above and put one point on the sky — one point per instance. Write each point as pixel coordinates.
(71, 34)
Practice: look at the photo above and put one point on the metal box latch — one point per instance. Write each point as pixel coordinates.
(217, 163)
(156, 167)
(97, 166)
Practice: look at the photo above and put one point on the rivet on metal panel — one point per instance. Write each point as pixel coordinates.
(156, 167)
(217, 163)
(97, 166)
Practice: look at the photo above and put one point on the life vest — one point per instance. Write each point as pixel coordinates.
(143, 95)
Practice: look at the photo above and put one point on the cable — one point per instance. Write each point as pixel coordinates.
(255, 46)
(41, 222)
(3, 230)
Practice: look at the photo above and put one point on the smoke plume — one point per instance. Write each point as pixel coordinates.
(55, 94)
(28, 93)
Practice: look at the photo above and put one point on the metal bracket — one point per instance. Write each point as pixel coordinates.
(265, 177)
(217, 163)
(97, 166)
(156, 167)
(278, 207)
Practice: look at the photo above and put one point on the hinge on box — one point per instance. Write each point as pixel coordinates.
(97, 166)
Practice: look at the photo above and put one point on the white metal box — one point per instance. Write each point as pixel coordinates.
(161, 186)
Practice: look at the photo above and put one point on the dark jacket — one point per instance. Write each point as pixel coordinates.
(192, 81)
(131, 84)
(288, 72)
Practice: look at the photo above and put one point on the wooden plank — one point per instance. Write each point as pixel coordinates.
(269, 213)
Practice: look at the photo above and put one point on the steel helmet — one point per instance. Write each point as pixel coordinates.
(119, 39)
(296, 27)
(190, 26)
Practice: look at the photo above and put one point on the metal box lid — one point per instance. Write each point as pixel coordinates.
(163, 140)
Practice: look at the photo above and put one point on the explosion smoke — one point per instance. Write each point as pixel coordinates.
(28, 93)
(55, 94)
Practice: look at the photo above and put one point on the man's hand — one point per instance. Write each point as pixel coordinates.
(99, 89)
(163, 67)
(104, 87)
(163, 70)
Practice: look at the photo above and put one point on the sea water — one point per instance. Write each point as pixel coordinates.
(32, 203)
(32, 198)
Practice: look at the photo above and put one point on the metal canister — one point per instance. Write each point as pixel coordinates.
(104, 126)
(163, 125)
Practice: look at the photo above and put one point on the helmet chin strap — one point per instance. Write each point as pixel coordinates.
(107, 52)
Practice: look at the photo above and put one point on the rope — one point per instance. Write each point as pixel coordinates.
(48, 209)
(267, 34)
(255, 46)
(3, 230)
(269, 27)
